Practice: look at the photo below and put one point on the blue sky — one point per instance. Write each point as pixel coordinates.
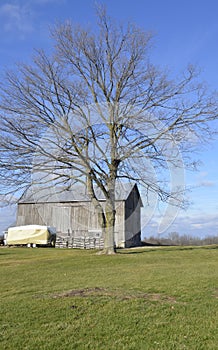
(184, 32)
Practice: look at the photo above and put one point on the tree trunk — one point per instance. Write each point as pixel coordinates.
(105, 218)
(109, 242)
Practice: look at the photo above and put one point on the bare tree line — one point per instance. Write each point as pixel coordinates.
(174, 238)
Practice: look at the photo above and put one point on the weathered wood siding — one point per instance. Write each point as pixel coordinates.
(70, 219)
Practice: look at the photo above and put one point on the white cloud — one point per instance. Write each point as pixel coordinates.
(196, 224)
(23, 17)
(16, 17)
(207, 183)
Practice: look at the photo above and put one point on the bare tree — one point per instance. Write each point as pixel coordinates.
(97, 110)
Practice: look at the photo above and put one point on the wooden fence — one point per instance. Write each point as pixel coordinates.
(81, 242)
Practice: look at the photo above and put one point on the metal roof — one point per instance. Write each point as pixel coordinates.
(76, 193)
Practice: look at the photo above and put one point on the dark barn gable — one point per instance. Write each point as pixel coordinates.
(73, 216)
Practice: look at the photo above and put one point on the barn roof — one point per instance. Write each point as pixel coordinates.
(76, 193)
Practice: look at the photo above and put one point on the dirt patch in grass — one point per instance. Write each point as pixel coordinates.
(215, 293)
(117, 294)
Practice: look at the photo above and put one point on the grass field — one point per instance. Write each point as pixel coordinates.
(150, 298)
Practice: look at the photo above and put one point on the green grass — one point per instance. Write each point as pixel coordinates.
(164, 298)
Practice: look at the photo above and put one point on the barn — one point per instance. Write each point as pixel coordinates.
(73, 216)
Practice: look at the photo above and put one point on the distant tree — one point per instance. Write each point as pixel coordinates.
(96, 111)
(174, 238)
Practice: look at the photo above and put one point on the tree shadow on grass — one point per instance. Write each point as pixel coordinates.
(4, 252)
